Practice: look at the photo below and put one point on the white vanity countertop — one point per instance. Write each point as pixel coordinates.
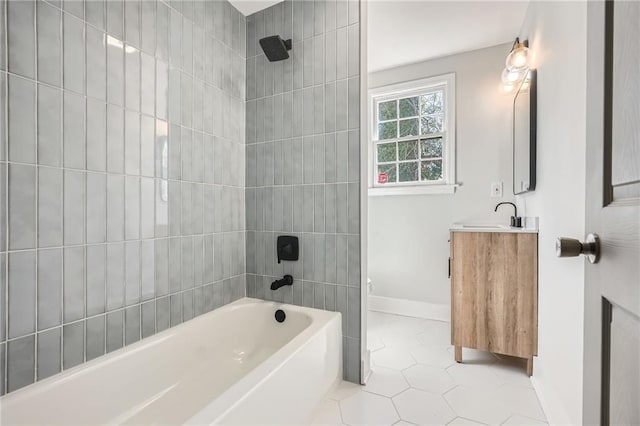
(530, 226)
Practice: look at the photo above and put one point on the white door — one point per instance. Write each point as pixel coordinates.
(612, 293)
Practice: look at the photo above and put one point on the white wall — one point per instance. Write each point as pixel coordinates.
(408, 248)
(557, 34)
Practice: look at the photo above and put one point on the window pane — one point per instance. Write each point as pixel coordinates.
(431, 103)
(431, 148)
(431, 170)
(388, 130)
(430, 124)
(386, 173)
(409, 107)
(408, 172)
(387, 110)
(386, 152)
(409, 127)
(408, 150)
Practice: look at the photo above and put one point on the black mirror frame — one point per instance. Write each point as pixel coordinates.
(533, 104)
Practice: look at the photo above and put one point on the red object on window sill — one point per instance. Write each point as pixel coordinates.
(383, 178)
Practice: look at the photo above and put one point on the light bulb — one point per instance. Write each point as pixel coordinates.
(510, 77)
(518, 59)
(508, 88)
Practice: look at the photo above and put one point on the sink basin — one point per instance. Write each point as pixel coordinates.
(489, 227)
(485, 226)
(530, 224)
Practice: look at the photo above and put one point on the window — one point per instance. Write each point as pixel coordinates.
(413, 146)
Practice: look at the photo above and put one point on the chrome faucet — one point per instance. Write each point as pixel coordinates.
(516, 221)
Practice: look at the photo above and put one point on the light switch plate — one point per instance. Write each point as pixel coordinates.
(496, 189)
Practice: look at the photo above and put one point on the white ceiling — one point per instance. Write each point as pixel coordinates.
(248, 7)
(402, 32)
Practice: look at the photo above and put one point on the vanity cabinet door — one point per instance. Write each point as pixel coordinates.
(494, 292)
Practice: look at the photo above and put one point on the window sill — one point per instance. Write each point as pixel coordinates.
(413, 190)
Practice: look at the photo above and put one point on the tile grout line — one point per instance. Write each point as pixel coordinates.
(37, 192)
(62, 176)
(105, 54)
(85, 232)
(5, 187)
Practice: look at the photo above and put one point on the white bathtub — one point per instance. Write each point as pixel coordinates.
(235, 365)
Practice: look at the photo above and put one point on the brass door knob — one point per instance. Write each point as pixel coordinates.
(570, 247)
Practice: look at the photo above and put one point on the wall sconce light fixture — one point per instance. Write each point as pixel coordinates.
(519, 58)
(517, 66)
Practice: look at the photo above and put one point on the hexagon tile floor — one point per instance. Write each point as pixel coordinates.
(415, 381)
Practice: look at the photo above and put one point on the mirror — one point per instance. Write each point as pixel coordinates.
(524, 136)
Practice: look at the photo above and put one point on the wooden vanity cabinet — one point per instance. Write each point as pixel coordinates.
(494, 293)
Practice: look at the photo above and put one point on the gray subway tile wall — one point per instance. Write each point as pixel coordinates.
(121, 202)
(303, 160)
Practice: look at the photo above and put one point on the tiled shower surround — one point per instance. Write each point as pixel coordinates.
(303, 160)
(123, 167)
(121, 174)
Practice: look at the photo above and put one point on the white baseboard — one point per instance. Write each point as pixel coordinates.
(551, 405)
(410, 308)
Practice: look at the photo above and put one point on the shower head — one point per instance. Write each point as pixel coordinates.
(275, 48)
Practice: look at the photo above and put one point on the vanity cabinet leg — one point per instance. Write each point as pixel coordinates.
(458, 353)
(530, 366)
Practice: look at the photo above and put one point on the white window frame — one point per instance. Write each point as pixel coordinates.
(412, 88)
